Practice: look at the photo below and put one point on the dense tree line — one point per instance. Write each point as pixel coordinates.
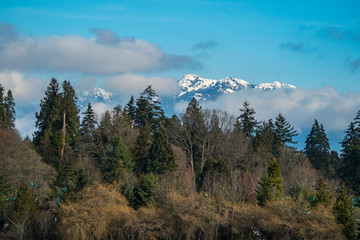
(140, 171)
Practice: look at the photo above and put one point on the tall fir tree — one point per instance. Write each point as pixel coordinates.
(317, 147)
(2, 107)
(284, 132)
(87, 129)
(117, 158)
(9, 111)
(161, 156)
(130, 108)
(270, 184)
(349, 167)
(194, 134)
(148, 110)
(322, 195)
(142, 148)
(344, 213)
(247, 120)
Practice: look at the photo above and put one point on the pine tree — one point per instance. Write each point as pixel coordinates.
(161, 157)
(5, 190)
(9, 111)
(45, 117)
(270, 185)
(265, 137)
(24, 210)
(148, 110)
(194, 134)
(317, 147)
(87, 129)
(322, 195)
(2, 107)
(349, 168)
(344, 214)
(247, 119)
(283, 131)
(130, 108)
(142, 148)
(116, 159)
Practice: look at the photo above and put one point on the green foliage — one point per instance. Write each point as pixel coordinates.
(7, 111)
(81, 179)
(322, 195)
(140, 192)
(148, 110)
(142, 148)
(5, 190)
(130, 108)
(317, 147)
(270, 184)
(284, 132)
(87, 129)
(247, 119)
(25, 204)
(116, 159)
(344, 214)
(349, 169)
(161, 157)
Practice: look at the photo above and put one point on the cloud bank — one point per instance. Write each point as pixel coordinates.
(106, 53)
(299, 106)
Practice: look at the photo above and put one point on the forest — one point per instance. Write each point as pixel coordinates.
(134, 173)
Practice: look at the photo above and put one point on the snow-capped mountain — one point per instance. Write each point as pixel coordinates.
(94, 95)
(192, 85)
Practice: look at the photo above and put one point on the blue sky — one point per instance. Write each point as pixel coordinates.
(314, 45)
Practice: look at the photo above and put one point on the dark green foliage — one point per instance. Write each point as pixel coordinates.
(140, 192)
(283, 131)
(130, 108)
(24, 210)
(322, 195)
(7, 111)
(317, 147)
(49, 122)
(343, 213)
(270, 184)
(349, 168)
(161, 157)
(194, 132)
(265, 137)
(142, 148)
(247, 119)
(81, 179)
(116, 159)
(87, 129)
(148, 110)
(5, 190)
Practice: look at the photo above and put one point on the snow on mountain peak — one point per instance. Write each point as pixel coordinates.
(201, 88)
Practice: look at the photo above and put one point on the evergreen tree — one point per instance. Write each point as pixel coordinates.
(161, 157)
(265, 137)
(5, 190)
(322, 195)
(283, 131)
(24, 210)
(148, 110)
(270, 185)
(142, 148)
(46, 115)
(130, 108)
(194, 134)
(87, 129)
(116, 159)
(247, 119)
(9, 111)
(349, 168)
(2, 107)
(344, 214)
(317, 147)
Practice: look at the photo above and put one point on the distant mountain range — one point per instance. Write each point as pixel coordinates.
(190, 86)
(209, 89)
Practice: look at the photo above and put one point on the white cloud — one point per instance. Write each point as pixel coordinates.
(26, 125)
(25, 89)
(299, 106)
(96, 55)
(129, 83)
